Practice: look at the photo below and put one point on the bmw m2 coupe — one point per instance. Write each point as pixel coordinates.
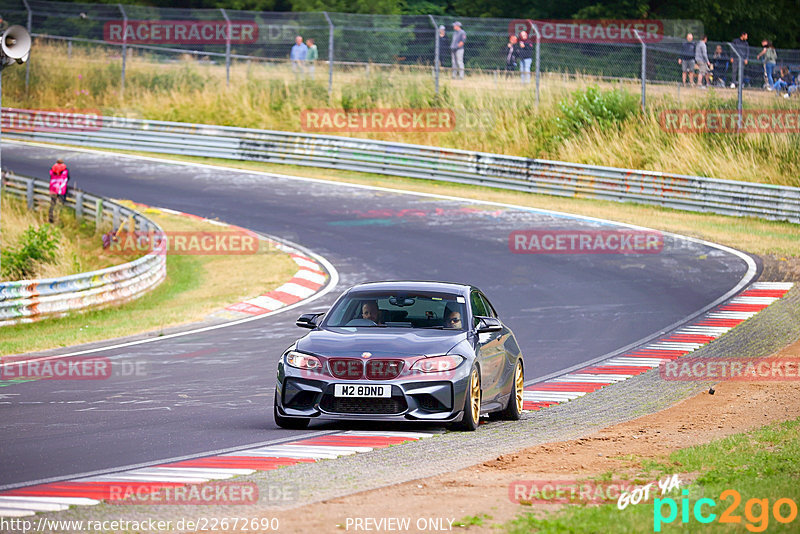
(432, 352)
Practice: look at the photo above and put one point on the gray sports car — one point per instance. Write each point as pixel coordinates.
(402, 351)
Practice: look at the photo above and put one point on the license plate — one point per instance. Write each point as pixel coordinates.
(362, 390)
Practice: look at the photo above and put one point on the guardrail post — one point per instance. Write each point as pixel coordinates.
(79, 205)
(644, 68)
(29, 193)
(436, 62)
(739, 85)
(115, 217)
(28, 62)
(98, 214)
(227, 47)
(330, 52)
(124, 46)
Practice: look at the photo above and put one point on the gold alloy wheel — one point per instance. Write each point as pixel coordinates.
(475, 396)
(519, 387)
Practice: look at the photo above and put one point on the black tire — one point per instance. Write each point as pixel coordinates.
(513, 410)
(289, 423)
(471, 419)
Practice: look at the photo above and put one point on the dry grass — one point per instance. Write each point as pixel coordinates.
(495, 114)
(78, 249)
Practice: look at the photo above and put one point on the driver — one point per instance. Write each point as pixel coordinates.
(452, 317)
(369, 311)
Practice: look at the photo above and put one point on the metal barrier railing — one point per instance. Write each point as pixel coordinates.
(29, 300)
(694, 193)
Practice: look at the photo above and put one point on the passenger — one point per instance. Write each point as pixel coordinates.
(369, 311)
(452, 317)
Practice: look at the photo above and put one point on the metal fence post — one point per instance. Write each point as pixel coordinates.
(28, 63)
(436, 62)
(98, 214)
(330, 52)
(538, 46)
(644, 70)
(79, 205)
(29, 194)
(739, 92)
(227, 47)
(124, 45)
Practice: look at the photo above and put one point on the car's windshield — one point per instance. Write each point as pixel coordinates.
(399, 309)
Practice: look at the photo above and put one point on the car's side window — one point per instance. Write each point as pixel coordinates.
(490, 311)
(477, 305)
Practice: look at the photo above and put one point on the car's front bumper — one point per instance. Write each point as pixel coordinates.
(413, 399)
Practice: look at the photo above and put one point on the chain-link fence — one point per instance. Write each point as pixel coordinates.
(642, 52)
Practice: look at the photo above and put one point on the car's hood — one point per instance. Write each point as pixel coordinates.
(381, 342)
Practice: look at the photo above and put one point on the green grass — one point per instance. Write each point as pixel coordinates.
(760, 464)
(472, 520)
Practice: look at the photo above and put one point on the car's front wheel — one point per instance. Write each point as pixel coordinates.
(290, 423)
(513, 410)
(472, 403)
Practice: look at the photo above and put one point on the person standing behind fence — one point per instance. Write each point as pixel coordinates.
(444, 46)
(511, 54)
(770, 60)
(525, 55)
(298, 55)
(59, 176)
(720, 62)
(702, 61)
(740, 45)
(457, 50)
(686, 59)
(312, 56)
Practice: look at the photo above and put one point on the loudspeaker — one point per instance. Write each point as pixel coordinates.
(15, 43)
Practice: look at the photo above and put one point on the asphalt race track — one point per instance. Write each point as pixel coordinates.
(213, 390)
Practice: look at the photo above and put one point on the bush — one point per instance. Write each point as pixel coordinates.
(37, 245)
(595, 108)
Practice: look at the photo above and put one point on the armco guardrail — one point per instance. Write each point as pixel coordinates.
(28, 300)
(417, 161)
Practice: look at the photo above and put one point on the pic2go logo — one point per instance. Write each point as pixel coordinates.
(784, 511)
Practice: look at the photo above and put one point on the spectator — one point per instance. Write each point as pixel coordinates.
(784, 81)
(457, 50)
(720, 65)
(686, 59)
(511, 54)
(298, 55)
(770, 60)
(743, 48)
(312, 56)
(59, 176)
(525, 55)
(702, 61)
(444, 46)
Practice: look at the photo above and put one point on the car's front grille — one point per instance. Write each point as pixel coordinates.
(363, 405)
(346, 368)
(384, 369)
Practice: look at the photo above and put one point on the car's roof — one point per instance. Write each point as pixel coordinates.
(413, 285)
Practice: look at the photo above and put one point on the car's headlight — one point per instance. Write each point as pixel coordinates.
(435, 364)
(302, 361)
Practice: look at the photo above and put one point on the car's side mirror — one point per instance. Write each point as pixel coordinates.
(488, 324)
(308, 320)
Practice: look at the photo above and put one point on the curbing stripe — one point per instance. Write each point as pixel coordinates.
(674, 345)
(58, 496)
